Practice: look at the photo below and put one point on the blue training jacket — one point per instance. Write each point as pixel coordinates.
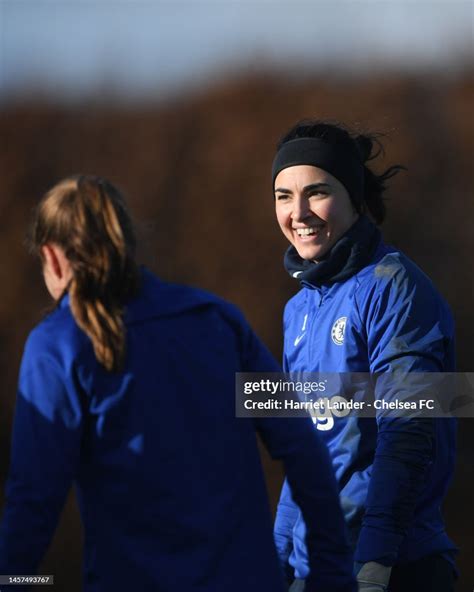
(392, 473)
(168, 480)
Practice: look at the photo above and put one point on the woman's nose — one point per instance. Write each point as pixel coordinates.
(300, 209)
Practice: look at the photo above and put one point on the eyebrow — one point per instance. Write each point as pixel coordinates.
(306, 189)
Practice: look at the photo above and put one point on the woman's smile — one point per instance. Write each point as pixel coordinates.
(308, 233)
(313, 209)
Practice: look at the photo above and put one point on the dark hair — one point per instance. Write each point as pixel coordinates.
(86, 216)
(367, 147)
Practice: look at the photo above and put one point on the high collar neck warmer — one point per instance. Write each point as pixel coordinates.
(349, 255)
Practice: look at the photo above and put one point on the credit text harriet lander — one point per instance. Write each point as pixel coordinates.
(338, 405)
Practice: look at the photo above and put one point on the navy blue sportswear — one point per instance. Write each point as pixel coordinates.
(380, 314)
(169, 482)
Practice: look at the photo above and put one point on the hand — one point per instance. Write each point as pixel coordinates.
(372, 577)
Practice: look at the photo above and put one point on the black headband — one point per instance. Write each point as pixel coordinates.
(340, 161)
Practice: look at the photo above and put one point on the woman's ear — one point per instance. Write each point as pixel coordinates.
(57, 271)
(51, 260)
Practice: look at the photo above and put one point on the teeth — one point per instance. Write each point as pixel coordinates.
(305, 231)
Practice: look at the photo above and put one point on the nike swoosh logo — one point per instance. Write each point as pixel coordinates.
(299, 338)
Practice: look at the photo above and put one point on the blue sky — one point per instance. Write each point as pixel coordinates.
(73, 48)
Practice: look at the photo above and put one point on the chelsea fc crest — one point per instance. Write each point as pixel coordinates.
(338, 329)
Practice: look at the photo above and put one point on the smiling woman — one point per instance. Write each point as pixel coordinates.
(316, 205)
(313, 209)
(392, 473)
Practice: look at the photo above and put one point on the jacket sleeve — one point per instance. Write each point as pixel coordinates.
(44, 455)
(409, 329)
(310, 477)
(286, 516)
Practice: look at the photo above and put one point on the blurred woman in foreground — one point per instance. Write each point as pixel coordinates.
(127, 390)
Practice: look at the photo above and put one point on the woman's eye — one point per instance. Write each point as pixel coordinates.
(282, 196)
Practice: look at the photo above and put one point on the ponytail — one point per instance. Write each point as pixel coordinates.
(87, 218)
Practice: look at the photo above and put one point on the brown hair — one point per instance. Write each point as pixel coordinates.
(86, 216)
